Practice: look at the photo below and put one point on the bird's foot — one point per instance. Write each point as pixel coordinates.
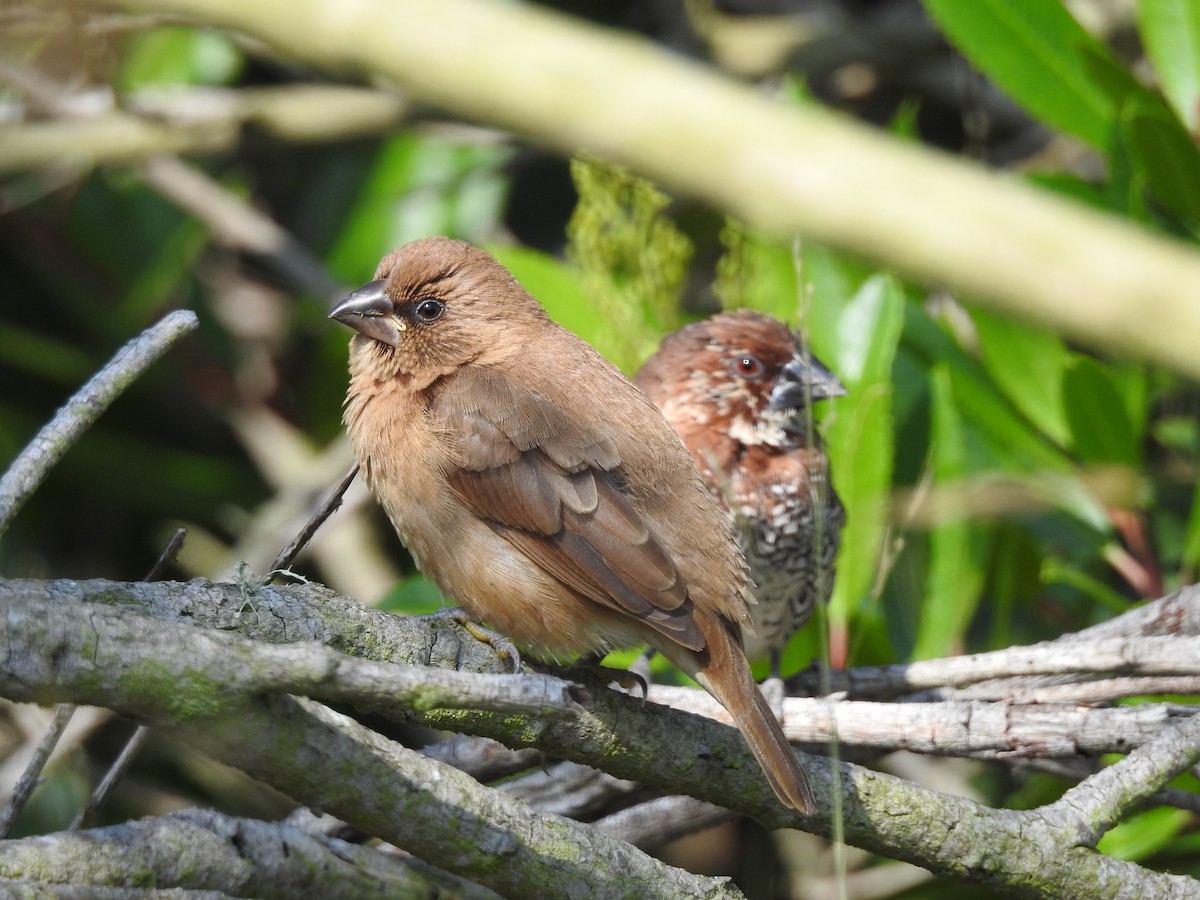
(626, 679)
(505, 649)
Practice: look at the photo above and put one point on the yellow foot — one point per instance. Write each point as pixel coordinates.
(505, 649)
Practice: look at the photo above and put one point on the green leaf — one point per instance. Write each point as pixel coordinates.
(1027, 364)
(1163, 155)
(414, 596)
(1012, 584)
(861, 434)
(1056, 571)
(1190, 557)
(1144, 833)
(979, 399)
(1170, 31)
(419, 186)
(957, 550)
(174, 56)
(1034, 50)
(1100, 426)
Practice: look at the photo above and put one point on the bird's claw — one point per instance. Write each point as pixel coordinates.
(505, 649)
(626, 679)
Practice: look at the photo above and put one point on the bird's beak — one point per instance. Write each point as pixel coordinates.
(369, 312)
(801, 381)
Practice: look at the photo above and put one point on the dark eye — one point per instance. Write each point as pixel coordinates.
(747, 366)
(429, 310)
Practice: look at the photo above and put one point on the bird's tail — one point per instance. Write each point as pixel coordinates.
(724, 673)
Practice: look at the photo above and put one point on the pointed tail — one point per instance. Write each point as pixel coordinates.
(724, 673)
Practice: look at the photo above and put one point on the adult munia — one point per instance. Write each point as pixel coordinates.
(739, 388)
(539, 487)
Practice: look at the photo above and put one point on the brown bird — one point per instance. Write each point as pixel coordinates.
(539, 487)
(738, 389)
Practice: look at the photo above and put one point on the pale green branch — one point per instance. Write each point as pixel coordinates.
(196, 121)
(573, 86)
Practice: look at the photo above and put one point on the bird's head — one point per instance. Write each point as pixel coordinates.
(742, 372)
(437, 304)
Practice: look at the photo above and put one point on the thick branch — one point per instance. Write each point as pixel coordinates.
(292, 744)
(311, 615)
(203, 850)
(441, 815)
(975, 729)
(787, 169)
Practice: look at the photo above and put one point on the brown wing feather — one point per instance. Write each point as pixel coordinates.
(559, 505)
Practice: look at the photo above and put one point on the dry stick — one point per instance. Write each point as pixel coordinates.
(174, 545)
(30, 468)
(125, 758)
(120, 765)
(300, 541)
(32, 774)
(664, 819)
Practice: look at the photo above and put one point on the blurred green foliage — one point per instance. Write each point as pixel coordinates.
(1003, 486)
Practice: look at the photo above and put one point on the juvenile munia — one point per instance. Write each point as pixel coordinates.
(539, 487)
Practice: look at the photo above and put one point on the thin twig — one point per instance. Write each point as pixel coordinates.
(31, 777)
(174, 545)
(300, 541)
(34, 463)
(122, 763)
(663, 819)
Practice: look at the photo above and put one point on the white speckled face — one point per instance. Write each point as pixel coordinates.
(769, 428)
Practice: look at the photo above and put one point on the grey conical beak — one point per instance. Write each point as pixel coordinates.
(369, 312)
(801, 381)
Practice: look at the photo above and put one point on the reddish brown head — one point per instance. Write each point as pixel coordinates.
(742, 373)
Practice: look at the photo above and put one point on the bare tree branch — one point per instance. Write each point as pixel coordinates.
(1151, 656)
(204, 850)
(34, 463)
(662, 820)
(223, 692)
(33, 772)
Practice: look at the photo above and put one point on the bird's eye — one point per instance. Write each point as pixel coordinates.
(429, 310)
(747, 366)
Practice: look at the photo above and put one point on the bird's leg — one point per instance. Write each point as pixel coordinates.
(505, 649)
(772, 686)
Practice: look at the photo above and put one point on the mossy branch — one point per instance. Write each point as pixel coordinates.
(226, 693)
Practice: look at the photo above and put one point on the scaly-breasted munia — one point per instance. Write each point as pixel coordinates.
(738, 389)
(539, 487)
